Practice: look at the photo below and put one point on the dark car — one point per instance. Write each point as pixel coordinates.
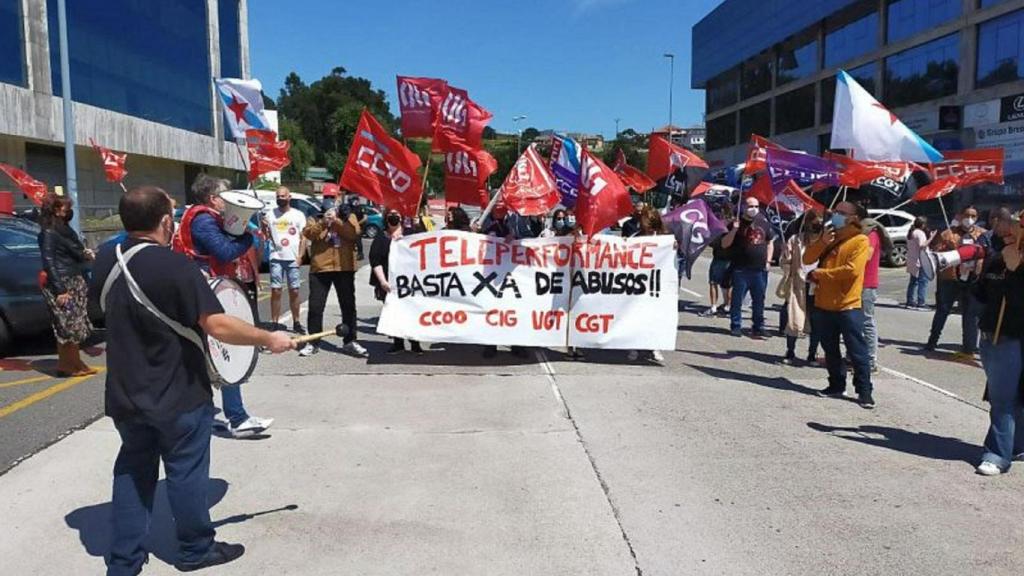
(23, 311)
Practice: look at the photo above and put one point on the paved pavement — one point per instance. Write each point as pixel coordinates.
(721, 462)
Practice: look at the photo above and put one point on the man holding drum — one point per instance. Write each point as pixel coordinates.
(201, 238)
(159, 309)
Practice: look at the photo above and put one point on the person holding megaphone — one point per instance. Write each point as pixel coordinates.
(955, 281)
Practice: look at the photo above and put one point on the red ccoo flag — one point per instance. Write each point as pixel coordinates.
(419, 100)
(465, 176)
(459, 121)
(937, 189)
(266, 154)
(33, 189)
(381, 170)
(529, 189)
(854, 173)
(630, 176)
(665, 158)
(113, 163)
(603, 198)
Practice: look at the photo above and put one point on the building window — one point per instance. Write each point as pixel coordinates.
(847, 38)
(721, 132)
(138, 57)
(989, 3)
(723, 90)
(230, 39)
(756, 119)
(797, 59)
(922, 73)
(1001, 50)
(910, 17)
(864, 75)
(794, 110)
(756, 76)
(12, 55)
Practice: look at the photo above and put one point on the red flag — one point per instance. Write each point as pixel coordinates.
(529, 189)
(465, 176)
(665, 158)
(603, 198)
(700, 190)
(381, 170)
(970, 166)
(630, 176)
(937, 189)
(33, 189)
(853, 173)
(113, 163)
(794, 200)
(459, 121)
(266, 154)
(762, 190)
(419, 100)
(757, 157)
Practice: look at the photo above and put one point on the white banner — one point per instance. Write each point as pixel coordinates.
(459, 287)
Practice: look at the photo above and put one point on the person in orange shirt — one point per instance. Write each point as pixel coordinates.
(841, 255)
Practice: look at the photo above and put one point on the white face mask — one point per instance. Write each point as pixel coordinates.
(969, 223)
(752, 211)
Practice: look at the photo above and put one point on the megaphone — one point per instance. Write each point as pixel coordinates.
(934, 262)
(238, 209)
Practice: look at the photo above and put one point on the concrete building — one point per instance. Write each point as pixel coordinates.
(692, 138)
(953, 70)
(141, 75)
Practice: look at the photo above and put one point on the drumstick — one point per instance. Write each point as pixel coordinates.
(340, 331)
(999, 322)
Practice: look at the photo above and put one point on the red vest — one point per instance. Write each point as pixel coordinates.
(241, 269)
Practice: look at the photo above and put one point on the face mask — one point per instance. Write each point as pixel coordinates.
(281, 203)
(560, 223)
(394, 219)
(570, 222)
(969, 223)
(838, 221)
(751, 211)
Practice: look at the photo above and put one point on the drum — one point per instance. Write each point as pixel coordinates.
(232, 363)
(238, 209)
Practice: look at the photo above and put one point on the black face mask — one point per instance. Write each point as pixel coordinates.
(394, 219)
(69, 215)
(282, 203)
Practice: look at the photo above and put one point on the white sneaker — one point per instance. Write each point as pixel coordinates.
(355, 349)
(633, 356)
(657, 356)
(251, 427)
(987, 468)
(308, 350)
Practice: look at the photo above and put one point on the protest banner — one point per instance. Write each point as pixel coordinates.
(460, 287)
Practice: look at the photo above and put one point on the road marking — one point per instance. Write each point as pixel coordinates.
(44, 394)
(690, 292)
(549, 372)
(930, 386)
(25, 381)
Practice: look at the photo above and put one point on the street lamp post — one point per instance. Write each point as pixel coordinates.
(71, 172)
(671, 82)
(617, 128)
(519, 134)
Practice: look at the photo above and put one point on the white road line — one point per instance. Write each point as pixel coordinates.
(691, 292)
(549, 372)
(930, 386)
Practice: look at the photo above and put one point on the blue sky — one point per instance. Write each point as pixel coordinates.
(566, 64)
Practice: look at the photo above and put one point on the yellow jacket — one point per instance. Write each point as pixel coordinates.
(840, 273)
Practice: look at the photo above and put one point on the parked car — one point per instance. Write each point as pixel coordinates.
(23, 311)
(897, 223)
(374, 222)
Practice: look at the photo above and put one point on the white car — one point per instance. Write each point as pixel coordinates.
(897, 223)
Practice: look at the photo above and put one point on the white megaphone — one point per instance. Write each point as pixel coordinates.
(934, 262)
(238, 209)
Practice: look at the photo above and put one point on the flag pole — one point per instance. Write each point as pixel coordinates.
(945, 216)
(244, 165)
(123, 189)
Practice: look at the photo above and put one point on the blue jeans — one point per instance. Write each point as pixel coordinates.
(184, 446)
(756, 282)
(849, 324)
(867, 303)
(948, 293)
(917, 291)
(1003, 367)
(231, 402)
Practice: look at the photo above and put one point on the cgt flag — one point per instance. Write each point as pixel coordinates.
(243, 105)
(459, 121)
(381, 170)
(465, 176)
(529, 189)
(793, 200)
(630, 176)
(603, 198)
(695, 226)
(266, 154)
(113, 163)
(419, 100)
(566, 168)
(33, 189)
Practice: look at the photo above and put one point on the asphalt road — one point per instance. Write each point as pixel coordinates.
(721, 462)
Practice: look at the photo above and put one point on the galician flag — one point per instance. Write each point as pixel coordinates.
(860, 123)
(243, 105)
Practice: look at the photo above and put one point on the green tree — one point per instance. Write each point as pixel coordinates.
(529, 134)
(301, 151)
(489, 133)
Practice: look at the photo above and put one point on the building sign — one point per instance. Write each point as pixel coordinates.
(921, 122)
(1008, 136)
(1012, 108)
(981, 113)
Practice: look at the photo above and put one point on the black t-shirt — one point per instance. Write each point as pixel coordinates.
(152, 373)
(750, 248)
(717, 252)
(379, 251)
(996, 284)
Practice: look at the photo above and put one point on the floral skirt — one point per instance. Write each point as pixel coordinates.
(71, 321)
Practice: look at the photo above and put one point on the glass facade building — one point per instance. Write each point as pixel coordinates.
(1000, 50)
(925, 72)
(850, 37)
(229, 31)
(12, 52)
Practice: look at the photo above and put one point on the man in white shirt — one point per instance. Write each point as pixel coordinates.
(288, 246)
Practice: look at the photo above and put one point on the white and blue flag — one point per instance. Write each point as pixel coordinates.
(243, 105)
(565, 166)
